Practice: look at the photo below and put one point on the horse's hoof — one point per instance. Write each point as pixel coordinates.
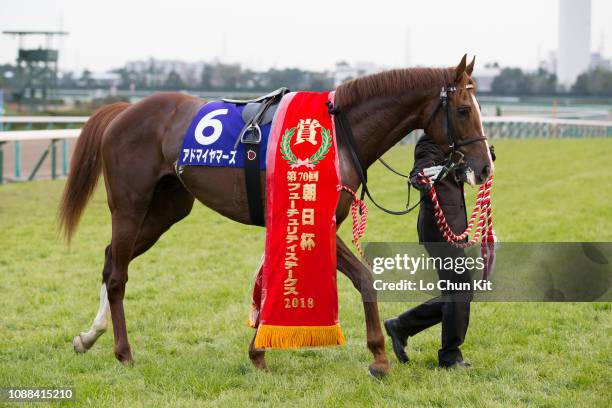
(128, 363)
(77, 344)
(377, 373)
(258, 358)
(259, 363)
(125, 357)
(261, 368)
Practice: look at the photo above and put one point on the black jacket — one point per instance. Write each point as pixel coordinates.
(449, 191)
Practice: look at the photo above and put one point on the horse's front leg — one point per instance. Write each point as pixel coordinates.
(257, 356)
(357, 272)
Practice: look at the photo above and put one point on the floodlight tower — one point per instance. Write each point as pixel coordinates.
(36, 69)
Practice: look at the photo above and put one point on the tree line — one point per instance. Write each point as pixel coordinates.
(515, 82)
(210, 77)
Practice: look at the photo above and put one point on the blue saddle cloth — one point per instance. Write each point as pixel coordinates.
(212, 135)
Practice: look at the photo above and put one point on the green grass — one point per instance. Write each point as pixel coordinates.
(187, 302)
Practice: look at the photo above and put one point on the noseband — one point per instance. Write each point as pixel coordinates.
(455, 155)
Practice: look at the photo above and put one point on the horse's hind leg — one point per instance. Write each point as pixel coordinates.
(349, 265)
(126, 226)
(170, 203)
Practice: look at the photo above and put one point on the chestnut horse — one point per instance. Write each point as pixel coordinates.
(136, 147)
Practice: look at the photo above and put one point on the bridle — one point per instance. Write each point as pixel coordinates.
(455, 155)
(454, 159)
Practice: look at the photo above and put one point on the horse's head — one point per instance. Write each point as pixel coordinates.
(455, 124)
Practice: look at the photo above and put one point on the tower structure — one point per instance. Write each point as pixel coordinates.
(36, 69)
(574, 50)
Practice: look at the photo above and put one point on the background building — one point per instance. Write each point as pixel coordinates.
(574, 52)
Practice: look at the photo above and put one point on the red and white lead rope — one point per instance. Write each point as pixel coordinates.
(359, 224)
(484, 228)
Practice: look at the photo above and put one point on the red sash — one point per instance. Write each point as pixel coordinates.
(297, 291)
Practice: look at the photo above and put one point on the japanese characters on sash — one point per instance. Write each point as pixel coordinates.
(298, 295)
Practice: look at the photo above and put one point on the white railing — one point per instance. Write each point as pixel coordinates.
(47, 134)
(54, 135)
(557, 121)
(523, 127)
(43, 119)
(518, 127)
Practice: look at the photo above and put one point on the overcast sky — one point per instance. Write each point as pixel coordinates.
(312, 34)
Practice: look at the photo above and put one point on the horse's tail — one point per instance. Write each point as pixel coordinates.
(85, 168)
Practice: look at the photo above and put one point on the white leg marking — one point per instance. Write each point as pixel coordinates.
(85, 340)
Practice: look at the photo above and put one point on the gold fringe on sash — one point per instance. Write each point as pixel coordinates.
(285, 337)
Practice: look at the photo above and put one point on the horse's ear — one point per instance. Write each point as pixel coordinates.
(470, 68)
(460, 68)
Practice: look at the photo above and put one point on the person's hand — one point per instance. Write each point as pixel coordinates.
(424, 187)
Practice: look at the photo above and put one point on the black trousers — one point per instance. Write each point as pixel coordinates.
(452, 308)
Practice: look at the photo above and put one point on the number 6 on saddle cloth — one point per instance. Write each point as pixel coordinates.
(228, 133)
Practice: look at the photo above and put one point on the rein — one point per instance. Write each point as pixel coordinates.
(347, 131)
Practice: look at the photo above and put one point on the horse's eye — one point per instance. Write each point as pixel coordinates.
(464, 111)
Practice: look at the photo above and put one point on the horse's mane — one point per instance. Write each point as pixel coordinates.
(392, 82)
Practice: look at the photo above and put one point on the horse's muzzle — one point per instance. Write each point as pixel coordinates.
(468, 175)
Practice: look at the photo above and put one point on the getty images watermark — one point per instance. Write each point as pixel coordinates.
(411, 264)
(521, 272)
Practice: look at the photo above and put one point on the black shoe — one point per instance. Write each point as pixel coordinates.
(398, 341)
(456, 365)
